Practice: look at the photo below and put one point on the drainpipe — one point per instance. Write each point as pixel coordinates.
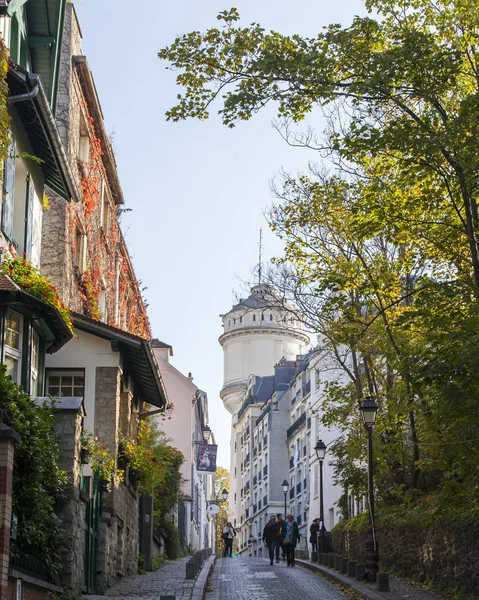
(23, 97)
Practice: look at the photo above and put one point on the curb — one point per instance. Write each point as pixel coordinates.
(201, 582)
(356, 586)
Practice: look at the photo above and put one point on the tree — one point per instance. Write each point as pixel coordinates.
(407, 83)
(222, 482)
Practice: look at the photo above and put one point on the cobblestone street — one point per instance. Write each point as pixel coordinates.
(168, 580)
(255, 579)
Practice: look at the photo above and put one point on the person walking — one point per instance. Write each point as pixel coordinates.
(313, 537)
(270, 533)
(290, 539)
(279, 537)
(228, 535)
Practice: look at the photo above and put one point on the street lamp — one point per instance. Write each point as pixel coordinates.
(285, 486)
(369, 410)
(206, 433)
(320, 450)
(224, 494)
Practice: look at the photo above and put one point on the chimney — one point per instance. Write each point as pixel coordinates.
(190, 376)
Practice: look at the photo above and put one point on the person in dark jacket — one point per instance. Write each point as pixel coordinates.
(290, 538)
(270, 534)
(313, 537)
(279, 537)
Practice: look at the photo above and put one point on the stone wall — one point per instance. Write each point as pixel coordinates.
(68, 427)
(446, 554)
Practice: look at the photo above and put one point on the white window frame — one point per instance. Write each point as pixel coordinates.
(63, 373)
(10, 351)
(34, 360)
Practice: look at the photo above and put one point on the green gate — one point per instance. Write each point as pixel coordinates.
(182, 524)
(91, 485)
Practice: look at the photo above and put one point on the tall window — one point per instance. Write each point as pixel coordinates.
(105, 207)
(65, 383)
(34, 365)
(79, 255)
(13, 344)
(84, 143)
(8, 189)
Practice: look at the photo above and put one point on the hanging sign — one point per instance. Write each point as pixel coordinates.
(206, 461)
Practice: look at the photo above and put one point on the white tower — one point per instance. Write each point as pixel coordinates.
(258, 333)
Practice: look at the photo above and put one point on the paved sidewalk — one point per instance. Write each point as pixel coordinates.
(170, 579)
(400, 589)
(254, 579)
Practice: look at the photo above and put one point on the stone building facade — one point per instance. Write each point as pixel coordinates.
(110, 363)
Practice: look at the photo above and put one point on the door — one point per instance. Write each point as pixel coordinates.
(93, 509)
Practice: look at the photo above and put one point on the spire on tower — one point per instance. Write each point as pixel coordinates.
(260, 255)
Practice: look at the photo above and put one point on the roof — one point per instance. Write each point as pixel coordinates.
(45, 32)
(140, 362)
(94, 108)
(53, 328)
(260, 297)
(37, 119)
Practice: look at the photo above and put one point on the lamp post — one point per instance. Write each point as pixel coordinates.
(285, 486)
(369, 411)
(206, 433)
(320, 450)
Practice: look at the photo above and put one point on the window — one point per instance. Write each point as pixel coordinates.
(34, 366)
(13, 344)
(65, 383)
(105, 208)
(241, 319)
(8, 190)
(79, 253)
(84, 143)
(271, 317)
(254, 317)
(262, 316)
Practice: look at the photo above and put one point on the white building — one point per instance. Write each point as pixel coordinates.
(185, 430)
(255, 338)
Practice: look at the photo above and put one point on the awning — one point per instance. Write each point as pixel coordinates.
(39, 124)
(138, 357)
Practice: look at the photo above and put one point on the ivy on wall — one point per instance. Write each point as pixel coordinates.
(107, 266)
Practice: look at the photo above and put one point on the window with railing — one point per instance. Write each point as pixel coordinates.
(299, 520)
(309, 422)
(298, 488)
(265, 441)
(259, 504)
(265, 500)
(291, 493)
(291, 462)
(265, 471)
(255, 480)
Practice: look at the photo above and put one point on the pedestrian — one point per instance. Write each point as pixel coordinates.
(279, 537)
(290, 539)
(228, 535)
(313, 538)
(270, 533)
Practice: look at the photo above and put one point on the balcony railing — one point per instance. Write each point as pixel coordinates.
(300, 421)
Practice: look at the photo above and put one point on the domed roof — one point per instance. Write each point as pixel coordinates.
(261, 296)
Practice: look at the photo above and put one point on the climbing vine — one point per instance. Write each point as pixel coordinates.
(4, 115)
(107, 266)
(26, 275)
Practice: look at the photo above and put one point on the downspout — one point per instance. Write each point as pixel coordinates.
(23, 97)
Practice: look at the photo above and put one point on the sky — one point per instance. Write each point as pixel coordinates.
(198, 190)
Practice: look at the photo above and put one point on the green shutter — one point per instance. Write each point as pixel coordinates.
(9, 191)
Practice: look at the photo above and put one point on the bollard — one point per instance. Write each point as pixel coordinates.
(383, 582)
(360, 571)
(344, 565)
(191, 569)
(337, 563)
(352, 568)
(314, 556)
